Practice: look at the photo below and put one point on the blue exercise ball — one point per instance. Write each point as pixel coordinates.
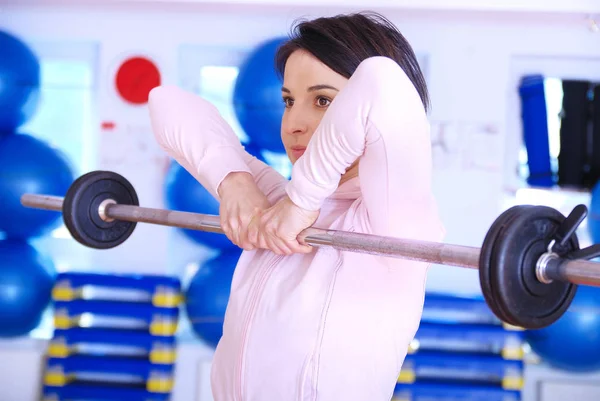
(257, 97)
(572, 343)
(184, 193)
(255, 151)
(26, 281)
(30, 165)
(19, 83)
(207, 296)
(593, 221)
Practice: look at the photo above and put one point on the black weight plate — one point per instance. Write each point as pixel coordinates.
(493, 282)
(525, 301)
(81, 209)
(485, 258)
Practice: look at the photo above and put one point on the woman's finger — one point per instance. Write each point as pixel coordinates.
(234, 232)
(227, 230)
(265, 241)
(297, 247)
(281, 245)
(243, 239)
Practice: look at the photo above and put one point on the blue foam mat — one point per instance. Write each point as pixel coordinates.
(99, 392)
(468, 338)
(452, 391)
(460, 366)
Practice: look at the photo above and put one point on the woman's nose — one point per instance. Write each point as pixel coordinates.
(296, 123)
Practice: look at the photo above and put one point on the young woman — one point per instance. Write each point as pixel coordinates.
(309, 323)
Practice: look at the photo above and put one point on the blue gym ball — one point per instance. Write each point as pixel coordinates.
(19, 83)
(207, 296)
(184, 193)
(255, 151)
(30, 165)
(26, 281)
(572, 343)
(257, 97)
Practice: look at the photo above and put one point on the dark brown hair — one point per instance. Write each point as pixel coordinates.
(342, 42)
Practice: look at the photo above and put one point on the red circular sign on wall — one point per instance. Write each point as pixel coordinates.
(136, 77)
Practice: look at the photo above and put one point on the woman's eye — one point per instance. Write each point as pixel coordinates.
(323, 101)
(289, 102)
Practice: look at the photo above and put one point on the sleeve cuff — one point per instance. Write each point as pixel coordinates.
(218, 162)
(305, 194)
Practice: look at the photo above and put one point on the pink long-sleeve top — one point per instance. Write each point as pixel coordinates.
(330, 325)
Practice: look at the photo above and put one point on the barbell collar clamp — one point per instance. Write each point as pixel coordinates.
(102, 210)
(541, 267)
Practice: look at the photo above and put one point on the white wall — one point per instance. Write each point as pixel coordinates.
(473, 63)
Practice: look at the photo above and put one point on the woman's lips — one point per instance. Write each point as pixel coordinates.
(298, 151)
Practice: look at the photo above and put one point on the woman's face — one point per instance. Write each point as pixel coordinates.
(309, 86)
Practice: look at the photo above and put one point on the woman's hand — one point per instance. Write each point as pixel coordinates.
(278, 228)
(241, 202)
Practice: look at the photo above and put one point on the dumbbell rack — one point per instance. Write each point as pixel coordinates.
(114, 337)
(462, 352)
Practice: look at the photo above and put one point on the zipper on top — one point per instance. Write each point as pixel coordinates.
(255, 297)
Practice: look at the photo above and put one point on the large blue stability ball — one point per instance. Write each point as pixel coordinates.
(257, 97)
(29, 165)
(207, 296)
(184, 193)
(573, 342)
(255, 151)
(19, 83)
(26, 281)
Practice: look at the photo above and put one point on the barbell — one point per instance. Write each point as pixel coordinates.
(530, 262)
